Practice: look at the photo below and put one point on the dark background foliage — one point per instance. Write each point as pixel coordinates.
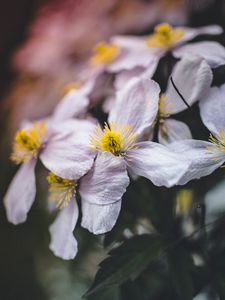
(153, 254)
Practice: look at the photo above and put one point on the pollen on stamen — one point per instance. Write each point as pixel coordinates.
(114, 138)
(27, 143)
(218, 144)
(164, 36)
(61, 191)
(165, 107)
(104, 53)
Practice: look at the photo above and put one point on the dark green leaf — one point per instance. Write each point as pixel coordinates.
(132, 291)
(127, 261)
(156, 282)
(161, 211)
(180, 265)
(112, 293)
(219, 284)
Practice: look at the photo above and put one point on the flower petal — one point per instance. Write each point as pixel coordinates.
(21, 193)
(212, 109)
(157, 163)
(134, 53)
(192, 77)
(67, 153)
(136, 104)
(106, 182)
(133, 59)
(99, 219)
(196, 152)
(78, 129)
(191, 33)
(73, 105)
(63, 244)
(172, 130)
(108, 103)
(89, 78)
(212, 52)
(134, 43)
(124, 76)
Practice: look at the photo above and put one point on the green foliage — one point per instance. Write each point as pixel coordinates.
(161, 266)
(180, 265)
(127, 261)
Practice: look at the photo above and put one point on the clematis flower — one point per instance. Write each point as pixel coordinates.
(53, 145)
(104, 56)
(113, 57)
(75, 102)
(123, 55)
(52, 141)
(193, 77)
(63, 193)
(205, 157)
(145, 52)
(119, 148)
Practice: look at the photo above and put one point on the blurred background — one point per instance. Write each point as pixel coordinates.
(43, 44)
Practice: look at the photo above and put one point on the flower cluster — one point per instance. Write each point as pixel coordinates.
(91, 162)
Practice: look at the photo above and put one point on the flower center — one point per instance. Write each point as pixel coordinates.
(114, 138)
(164, 36)
(27, 143)
(61, 190)
(104, 53)
(70, 87)
(218, 143)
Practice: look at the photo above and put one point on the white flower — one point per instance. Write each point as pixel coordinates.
(192, 77)
(205, 157)
(144, 53)
(50, 140)
(120, 148)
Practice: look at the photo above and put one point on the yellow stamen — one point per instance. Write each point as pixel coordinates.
(164, 111)
(163, 129)
(114, 138)
(104, 53)
(218, 143)
(164, 36)
(61, 190)
(27, 143)
(165, 107)
(70, 87)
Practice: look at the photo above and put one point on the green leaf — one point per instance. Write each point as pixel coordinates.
(127, 261)
(132, 291)
(161, 211)
(180, 265)
(156, 282)
(106, 294)
(219, 284)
